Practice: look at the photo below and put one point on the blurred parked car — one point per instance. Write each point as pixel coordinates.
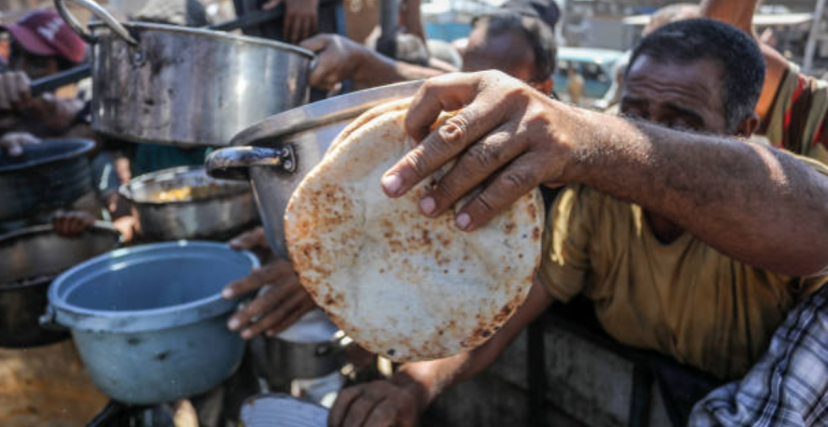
(594, 65)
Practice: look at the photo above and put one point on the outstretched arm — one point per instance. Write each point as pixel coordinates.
(342, 59)
(756, 204)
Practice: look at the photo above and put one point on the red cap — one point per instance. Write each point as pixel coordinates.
(43, 32)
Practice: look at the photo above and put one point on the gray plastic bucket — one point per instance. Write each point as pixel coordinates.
(149, 321)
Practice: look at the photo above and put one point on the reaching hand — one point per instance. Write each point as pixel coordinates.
(282, 302)
(376, 404)
(13, 142)
(505, 135)
(301, 18)
(72, 224)
(338, 59)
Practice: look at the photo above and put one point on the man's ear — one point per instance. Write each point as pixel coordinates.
(545, 87)
(748, 126)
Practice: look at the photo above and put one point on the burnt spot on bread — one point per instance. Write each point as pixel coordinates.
(505, 312)
(509, 227)
(532, 211)
(443, 239)
(425, 238)
(536, 233)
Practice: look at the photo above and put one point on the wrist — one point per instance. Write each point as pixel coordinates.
(572, 129)
(360, 64)
(418, 387)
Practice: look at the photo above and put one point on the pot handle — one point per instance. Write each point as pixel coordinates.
(339, 344)
(48, 321)
(234, 162)
(98, 11)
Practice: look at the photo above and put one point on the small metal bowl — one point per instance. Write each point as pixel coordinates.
(227, 210)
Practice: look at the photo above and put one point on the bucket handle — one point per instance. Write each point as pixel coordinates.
(98, 11)
(48, 320)
(234, 162)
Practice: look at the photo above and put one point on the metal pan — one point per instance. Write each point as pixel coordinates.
(185, 86)
(276, 153)
(55, 81)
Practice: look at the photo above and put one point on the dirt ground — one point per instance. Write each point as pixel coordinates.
(46, 387)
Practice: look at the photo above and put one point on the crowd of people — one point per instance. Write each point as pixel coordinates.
(689, 235)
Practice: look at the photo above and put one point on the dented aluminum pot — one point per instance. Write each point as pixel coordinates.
(276, 153)
(29, 260)
(184, 86)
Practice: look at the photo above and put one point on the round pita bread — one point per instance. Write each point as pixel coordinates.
(398, 283)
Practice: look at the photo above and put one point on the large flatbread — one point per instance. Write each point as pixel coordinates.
(398, 283)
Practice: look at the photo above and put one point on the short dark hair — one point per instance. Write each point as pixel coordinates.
(537, 33)
(736, 52)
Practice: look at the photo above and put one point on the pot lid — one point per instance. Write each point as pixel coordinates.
(317, 114)
(313, 327)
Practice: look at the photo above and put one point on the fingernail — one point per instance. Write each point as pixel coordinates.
(247, 334)
(233, 324)
(427, 205)
(463, 220)
(227, 294)
(391, 183)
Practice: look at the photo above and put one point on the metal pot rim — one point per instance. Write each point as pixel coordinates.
(83, 146)
(320, 113)
(221, 35)
(98, 227)
(126, 190)
(168, 317)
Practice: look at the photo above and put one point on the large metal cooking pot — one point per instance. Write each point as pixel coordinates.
(185, 86)
(276, 153)
(224, 211)
(29, 260)
(149, 321)
(45, 177)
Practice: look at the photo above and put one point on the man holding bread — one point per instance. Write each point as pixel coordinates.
(689, 240)
(520, 45)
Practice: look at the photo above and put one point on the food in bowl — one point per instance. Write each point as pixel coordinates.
(188, 193)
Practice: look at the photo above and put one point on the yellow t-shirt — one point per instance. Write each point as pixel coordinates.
(683, 299)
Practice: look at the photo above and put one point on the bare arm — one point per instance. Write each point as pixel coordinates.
(376, 70)
(758, 205)
(342, 59)
(400, 400)
(739, 13)
(746, 200)
(411, 18)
